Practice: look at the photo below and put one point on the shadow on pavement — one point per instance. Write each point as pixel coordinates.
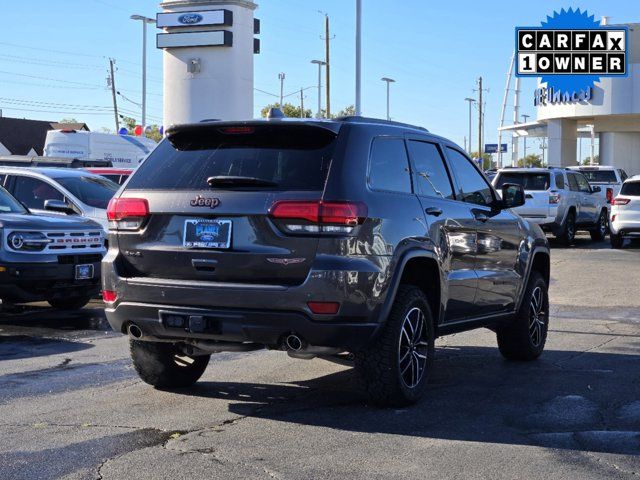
(15, 347)
(567, 400)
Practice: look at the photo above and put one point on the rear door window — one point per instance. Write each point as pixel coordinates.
(431, 176)
(583, 184)
(282, 157)
(559, 181)
(389, 166)
(528, 181)
(573, 183)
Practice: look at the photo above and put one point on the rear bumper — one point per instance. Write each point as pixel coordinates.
(157, 322)
(622, 227)
(32, 282)
(257, 313)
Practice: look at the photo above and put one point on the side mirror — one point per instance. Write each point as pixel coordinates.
(596, 189)
(512, 195)
(58, 206)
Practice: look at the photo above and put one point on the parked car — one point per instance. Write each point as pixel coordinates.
(625, 213)
(319, 238)
(66, 191)
(48, 257)
(609, 179)
(559, 200)
(116, 175)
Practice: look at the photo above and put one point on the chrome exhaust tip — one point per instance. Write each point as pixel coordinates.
(134, 331)
(293, 343)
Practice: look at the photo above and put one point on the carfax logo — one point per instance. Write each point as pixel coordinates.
(570, 51)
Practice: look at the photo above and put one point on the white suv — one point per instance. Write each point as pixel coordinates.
(625, 212)
(609, 179)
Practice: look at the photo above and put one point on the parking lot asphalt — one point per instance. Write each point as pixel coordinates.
(72, 407)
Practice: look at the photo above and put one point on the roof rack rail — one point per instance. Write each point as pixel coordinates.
(27, 161)
(355, 119)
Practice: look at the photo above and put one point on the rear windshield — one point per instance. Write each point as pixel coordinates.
(529, 181)
(600, 176)
(288, 157)
(631, 189)
(93, 191)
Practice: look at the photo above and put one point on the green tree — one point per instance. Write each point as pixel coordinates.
(130, 124)
(532, 160)
(587, 160)
(486, 160)
(69, 120)
(288, 109)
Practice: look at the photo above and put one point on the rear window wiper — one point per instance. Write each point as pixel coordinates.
(228, 181)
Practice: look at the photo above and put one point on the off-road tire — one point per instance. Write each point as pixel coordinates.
(74, 303)
(600, 232)
(568, 234)
(163, 366)
(617, 240)
(517, 340)
(379, 365)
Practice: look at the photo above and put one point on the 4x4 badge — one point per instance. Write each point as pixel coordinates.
(201, 201)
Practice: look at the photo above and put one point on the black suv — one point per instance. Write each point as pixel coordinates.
(354, 240)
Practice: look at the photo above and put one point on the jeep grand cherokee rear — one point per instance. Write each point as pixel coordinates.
(280, 234)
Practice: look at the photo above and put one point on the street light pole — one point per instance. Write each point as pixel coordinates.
(320, 63)
(525, 117)
(471, 102)
(388, 81)
(145, 21)
(358, 57)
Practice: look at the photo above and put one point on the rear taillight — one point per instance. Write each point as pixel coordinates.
(109, 296)
(554, 198)
(309, 217)
(324, 308)
(127, 213)
(620, 201)
(609, 195)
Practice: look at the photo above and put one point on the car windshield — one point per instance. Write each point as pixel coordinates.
(600, 176)
(8, 204)
(93, 191)
(528, 181)
(631, 188)
(274, 157)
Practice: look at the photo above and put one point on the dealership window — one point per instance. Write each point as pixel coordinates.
(431, 175)
(475, 188)
(389, 166)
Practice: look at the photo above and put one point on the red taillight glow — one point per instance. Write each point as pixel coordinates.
(109, 296)
(237, 130)
(324, 308)
(121, 208)
(620, 201)
(319, 212)
(554, 198)
(609, 195)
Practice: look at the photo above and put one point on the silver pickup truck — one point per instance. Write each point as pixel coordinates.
(561, 201)
(49, 258)
(609, 179)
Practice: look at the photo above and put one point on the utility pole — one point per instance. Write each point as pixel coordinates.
(524, 138)
(327, 47)
(358, 57)
(301, 102)
(112, 81)
(480, 126)
(320, 64)
(471, 102)
(281, 77)
(145, 21)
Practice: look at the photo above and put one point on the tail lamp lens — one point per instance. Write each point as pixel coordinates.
(620, 201)
(109, 296)
(554, 198)
(609, 195)
(127, 213)
(318, 216)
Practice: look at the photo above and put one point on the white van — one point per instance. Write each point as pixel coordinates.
(123, 151)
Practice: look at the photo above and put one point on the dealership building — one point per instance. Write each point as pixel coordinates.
(608, 113)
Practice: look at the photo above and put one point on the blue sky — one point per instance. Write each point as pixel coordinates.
(54, 56)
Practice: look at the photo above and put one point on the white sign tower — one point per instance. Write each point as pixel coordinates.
(208, 54)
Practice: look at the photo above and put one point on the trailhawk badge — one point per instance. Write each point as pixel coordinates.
(201, 201)
(286, 261)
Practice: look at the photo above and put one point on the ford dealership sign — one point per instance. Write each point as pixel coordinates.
(218, 18)
(190, 18)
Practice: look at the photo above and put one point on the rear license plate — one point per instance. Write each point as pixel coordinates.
(84, 272)
(207, 233)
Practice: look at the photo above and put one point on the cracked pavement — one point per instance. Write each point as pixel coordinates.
(72, 407)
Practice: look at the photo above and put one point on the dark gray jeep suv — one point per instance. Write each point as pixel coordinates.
(354, 240)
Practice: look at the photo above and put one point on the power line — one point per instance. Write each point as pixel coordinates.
(51, 79)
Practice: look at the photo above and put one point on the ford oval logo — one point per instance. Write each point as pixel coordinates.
(190, 18)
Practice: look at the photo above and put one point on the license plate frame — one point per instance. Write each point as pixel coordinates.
(84, 271)
(207, 233)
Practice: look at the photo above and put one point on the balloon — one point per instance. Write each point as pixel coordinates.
(123, 131)
(137, 130)
(162, 130)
